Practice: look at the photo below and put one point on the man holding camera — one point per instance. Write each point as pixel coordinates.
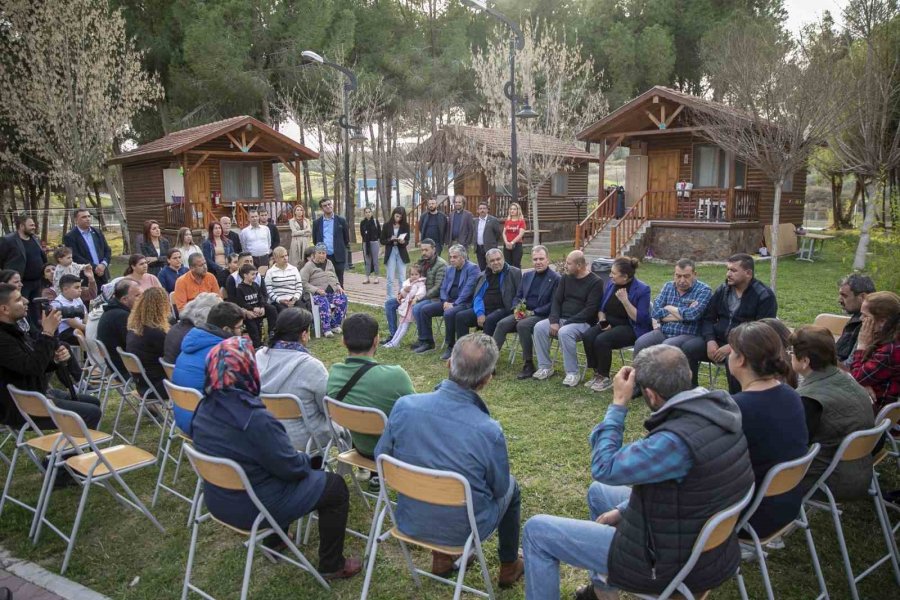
(36, 358)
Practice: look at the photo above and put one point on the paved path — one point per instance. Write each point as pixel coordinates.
(370, 294)
(29, 581)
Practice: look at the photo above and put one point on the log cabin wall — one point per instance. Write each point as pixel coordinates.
(145, 194)
(562, 208)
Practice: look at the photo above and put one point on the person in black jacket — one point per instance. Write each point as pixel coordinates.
(252, 300)
(395, 238)
(36, 358)
(851, 293)
(155, 247)
(234, 236)
(370, 237)
(274, 234)
(433, 225)
(331, 229)
(112, 329)
(740, 299)
(21, 251)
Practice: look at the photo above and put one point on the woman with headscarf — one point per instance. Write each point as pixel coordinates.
(232, 422)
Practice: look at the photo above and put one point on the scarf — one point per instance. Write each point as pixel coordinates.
(232, 382)
(283, 345)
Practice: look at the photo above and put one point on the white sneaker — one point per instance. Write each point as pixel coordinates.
(543, 373)
(572, 379)
(337, 331)
(602, 384)
(329, 334)
(590, 382)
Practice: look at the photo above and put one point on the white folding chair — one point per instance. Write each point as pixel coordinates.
(33, 405)
(168, 368)
(781, 479)
(441, 488)
(92, 371)
(227, 474)
(833, 323)
(95, 467)
(891, 449)
(187, 399)
(717, 531)
(139, 402)
(113, 379)
(855, 446)
(6, 434)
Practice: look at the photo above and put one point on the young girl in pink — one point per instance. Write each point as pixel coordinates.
(414, 287)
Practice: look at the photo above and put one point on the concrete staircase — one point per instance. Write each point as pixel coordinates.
(599, 246)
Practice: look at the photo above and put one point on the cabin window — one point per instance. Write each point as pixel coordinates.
(740, 174)
(241, 180)
(559, 184)
(788, 186)
(710, 166)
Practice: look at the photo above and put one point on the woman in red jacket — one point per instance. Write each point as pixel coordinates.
(513, 232)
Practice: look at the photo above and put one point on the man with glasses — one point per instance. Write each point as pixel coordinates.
(331, 229)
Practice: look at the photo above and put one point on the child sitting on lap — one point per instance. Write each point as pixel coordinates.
(412, 290)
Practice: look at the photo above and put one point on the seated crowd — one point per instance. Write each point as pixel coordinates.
(703, 448)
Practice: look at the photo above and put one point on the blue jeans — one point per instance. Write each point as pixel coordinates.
(395, 268)
(423, 312)
(549, 540)
(390, 313)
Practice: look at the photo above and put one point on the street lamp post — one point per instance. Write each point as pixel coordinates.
(517, 42)
(344, 121)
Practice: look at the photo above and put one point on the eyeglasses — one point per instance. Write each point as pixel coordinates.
(237, 328)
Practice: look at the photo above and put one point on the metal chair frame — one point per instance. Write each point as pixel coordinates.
(113, 379)
(99, 473)
(168, 367)
(385, 508)
(721, 518)
(256, 534)
(799, 468)
(151, 396)
(892, 413)
(166, 456)
(92, 369)
(831, 506)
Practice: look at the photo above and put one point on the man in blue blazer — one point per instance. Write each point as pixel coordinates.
(456, 296)
(89, 246)
(536, 291)
(331, 229)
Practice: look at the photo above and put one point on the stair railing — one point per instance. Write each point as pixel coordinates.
(628, 226)
(595, 221)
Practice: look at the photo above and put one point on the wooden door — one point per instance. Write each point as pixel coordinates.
(198, 196)
(662, 175)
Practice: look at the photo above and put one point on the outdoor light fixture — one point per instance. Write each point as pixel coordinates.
(358, 136)
(527, 112)
(310, 56)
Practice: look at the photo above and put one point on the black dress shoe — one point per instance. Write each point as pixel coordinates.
(445, 355)
(526, 372)
(424, 347)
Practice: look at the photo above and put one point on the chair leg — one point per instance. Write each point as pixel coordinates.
(9, 476)
(194, 504)
(370, 567)
(842, 544)
(485, 574)
(162, 470)
(885, 523)
(191, 551)
(248, 565)
(44, 496)
(814, 556)
(742, 588)
(81, 504)
(463, 563)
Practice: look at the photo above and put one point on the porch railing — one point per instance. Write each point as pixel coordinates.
(628, 226)
(196, 215)
(719, 204)
(596, 220)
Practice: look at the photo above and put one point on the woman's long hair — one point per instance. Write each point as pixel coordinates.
(399, 210)
(290, 325)
(151, 310)
(762, 348)
(884, 306)
(133, 260)
(785, 334)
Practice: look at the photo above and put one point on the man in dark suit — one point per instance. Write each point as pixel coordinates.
(21, 251)
(331, 229)
(488, 233)
(536, 291)
(89, 246)
(433, 225)
(234, 236)
(460, 225)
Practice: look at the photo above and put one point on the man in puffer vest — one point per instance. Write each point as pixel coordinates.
(650, 498)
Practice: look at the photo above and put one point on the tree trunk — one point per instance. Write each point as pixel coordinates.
(837, 208)
(4, 220)
(859, 259)
(98, 204)
(535, 217)
(322, 160)
(113, 180)
(858, 187)
(776, 219)
(45, 225)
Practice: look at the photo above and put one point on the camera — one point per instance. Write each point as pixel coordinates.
(66, 312)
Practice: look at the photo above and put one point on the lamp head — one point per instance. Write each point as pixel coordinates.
(481, 4)
(310, 56)
(357, 136)
(527, 112)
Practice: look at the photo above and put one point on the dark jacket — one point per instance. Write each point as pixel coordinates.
(587, 311)
(639, 296)
(758, 302)
(112, 330)
(149, 347)
(667, 517)
(434, 277)
(466, 235)
(156, 261)
(847, 342)
(282, 478)
(174, 337)
(209, 253)
(469, 273)
(369, 230)
(12, 252)
(81, 254)
(493, 232)
(545, 297)
(235, 237)
(27, 364)
(274, 235)
(387, 232)
(341, 238)
(439, 219)
(510, 278)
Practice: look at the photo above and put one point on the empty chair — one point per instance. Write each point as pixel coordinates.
(186, 399)
(833, 323)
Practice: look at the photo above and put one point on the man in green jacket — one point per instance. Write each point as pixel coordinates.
(380, 385)
(433, 268)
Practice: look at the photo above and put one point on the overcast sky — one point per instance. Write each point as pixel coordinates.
(801, 12)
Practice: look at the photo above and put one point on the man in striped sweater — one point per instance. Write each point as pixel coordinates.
(283, 281)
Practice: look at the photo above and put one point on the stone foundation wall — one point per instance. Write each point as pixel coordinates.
(701, 242)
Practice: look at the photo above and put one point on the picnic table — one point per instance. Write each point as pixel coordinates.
(808, 241)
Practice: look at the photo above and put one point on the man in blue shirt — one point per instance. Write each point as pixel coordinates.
(89, 245)
(456, 296)
(331, 229)
(679, 308)
(451, 429)
(650, 498)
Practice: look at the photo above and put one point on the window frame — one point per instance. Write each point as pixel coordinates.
(553, 184)
(243, 165)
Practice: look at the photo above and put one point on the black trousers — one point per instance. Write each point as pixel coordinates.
(338, 269)
(695, 350)
(333, 506)
(254, 326)
(514, 256)
(523, 328)
(599, 344)
(480, 254)
(86, 407)
(468, 318)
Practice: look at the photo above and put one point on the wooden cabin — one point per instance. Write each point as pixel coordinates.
(562, 199)
(684, 196)
(193, 176)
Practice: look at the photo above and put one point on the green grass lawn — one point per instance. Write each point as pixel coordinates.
(546, 427)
